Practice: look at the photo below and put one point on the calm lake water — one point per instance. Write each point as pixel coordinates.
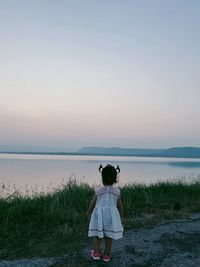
(46, 171)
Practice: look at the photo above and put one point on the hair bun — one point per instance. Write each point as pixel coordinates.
(118, 169)
(100, 168)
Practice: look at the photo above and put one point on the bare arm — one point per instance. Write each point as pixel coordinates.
(92, 205)
(120, 207)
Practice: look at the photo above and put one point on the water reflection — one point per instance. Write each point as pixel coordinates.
(43, 170)
(185, 164)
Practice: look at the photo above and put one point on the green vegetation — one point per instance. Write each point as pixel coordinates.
(55, 223)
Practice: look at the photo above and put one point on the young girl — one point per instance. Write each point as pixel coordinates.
(106, 212)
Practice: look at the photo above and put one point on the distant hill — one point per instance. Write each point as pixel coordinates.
(186, 152)
(182, 152)
(176, 152)
(119, 151)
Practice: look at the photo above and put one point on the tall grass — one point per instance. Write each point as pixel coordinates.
(44, 224)
(161, 197)
(54, 223)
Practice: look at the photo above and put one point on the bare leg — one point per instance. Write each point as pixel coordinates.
(96, 241)
(108, 245)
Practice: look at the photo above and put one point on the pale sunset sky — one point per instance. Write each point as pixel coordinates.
(104, 73)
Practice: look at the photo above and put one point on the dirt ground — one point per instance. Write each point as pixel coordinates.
(169, 244)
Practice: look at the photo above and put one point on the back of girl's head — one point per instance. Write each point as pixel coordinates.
(109, 174)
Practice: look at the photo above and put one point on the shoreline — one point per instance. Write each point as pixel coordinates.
(97, 154)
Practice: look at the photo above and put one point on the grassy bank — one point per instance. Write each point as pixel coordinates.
(55, 223)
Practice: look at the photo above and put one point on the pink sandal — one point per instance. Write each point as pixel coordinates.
(106, 258)
(95, 255)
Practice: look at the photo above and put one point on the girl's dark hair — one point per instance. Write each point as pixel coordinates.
(109, 174)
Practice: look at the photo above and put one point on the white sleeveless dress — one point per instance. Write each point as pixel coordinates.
(105, 219)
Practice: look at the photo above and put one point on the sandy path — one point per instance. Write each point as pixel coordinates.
(170, 244)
